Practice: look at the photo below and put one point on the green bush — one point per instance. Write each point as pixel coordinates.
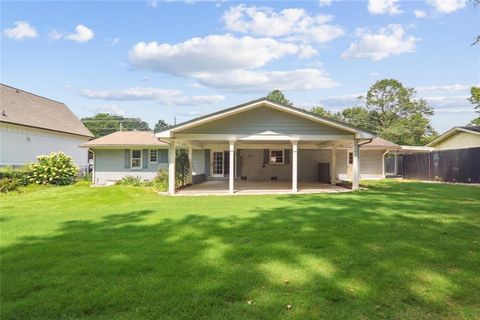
(56, 168)
(182, 168)
(131, 181)
(160, 181)
(19, 174)
(9, 185)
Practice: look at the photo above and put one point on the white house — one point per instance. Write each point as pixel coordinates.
(32, 125)
(261, 142)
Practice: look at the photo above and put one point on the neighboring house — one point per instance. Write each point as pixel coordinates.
(257, 141)
(457, 138)
(31, 125)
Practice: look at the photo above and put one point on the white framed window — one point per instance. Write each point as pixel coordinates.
(350, 158)
(136, 159)
(153, 156)
(276, 157)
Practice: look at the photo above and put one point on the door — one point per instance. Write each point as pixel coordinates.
(217, 164)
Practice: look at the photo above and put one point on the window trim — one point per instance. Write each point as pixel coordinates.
(283, 157)
(150, 155)
(131, 159)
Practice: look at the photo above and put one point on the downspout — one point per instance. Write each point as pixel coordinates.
(383, 162)
(94, 167)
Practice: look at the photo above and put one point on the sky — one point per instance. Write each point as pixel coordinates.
(177, 60)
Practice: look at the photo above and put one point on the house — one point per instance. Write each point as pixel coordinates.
(31, 125)
(457, 138)
(258, 141)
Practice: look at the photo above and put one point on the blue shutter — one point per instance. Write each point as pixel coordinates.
(162, 156)
(266, 156)
(286, 156)
(127, 158)
(145, 158)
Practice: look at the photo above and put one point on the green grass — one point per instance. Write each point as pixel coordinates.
(400, 250)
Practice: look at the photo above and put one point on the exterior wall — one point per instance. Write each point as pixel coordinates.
(109, 166)
(263, 119)
(308, 161)
(251, 166)
(198, 159)
(459, 140)
(371, 164)
(20, 145)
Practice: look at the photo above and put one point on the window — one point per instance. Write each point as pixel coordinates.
(136, 159)
(350, 158)
(153, 156)
(276, 156)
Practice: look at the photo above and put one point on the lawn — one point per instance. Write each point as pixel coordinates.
(399, 250)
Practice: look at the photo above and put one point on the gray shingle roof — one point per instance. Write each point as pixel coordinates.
(27, 109)
(126, 138)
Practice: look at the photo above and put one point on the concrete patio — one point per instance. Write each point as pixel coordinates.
(220, 187)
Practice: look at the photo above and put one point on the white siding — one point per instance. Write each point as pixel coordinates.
(20, 145)
(198, 159)
(370, 164)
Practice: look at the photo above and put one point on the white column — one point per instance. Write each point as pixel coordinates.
(395, 170)
(356, 165)
(294, 166)
(231, 175)
(190, 163)
(333, 166)
(171, 168)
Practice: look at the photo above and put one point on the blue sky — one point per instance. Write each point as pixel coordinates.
(166, 60)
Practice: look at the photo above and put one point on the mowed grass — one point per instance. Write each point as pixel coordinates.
(399, 250)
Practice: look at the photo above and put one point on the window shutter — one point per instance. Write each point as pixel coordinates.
(286, 156)
(145, 158)
(266, 156)
(127, 158)
(162, 156)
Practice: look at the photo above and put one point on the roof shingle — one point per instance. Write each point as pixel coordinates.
(126, 139)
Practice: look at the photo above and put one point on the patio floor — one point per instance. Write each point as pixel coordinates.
(220, 187)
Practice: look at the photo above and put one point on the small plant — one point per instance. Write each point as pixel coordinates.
(131, 181)
(20, 174)
(56, 168)
(182, 168)
(161, 180)
(9, 185)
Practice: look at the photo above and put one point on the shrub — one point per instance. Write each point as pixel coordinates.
(9, 185)
(56, 168)
(160, 181)
(182, 168)
(19, 174)
(131, 181)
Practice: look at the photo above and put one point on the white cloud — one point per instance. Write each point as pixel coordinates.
(152, 3)
(294, 24)
(81, 34)
(324, 3)
(374, 74)
(384, 7)
(442, 88)
(114, 41)
(389, 41)
(107, 108)
(255, 81)
(419, 13)
(21, 30)
(163, 96)
(214, 53)
(447, 101)
(447, 6)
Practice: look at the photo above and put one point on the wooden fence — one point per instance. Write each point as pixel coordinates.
(460, 165)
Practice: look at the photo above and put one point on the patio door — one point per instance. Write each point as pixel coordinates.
(218, 164)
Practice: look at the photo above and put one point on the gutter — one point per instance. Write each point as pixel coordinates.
(365, 142)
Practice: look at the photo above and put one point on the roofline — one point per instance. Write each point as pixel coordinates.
(42, 128)
(120, 146)
(264, 99)
(448, 133)
(33, 94)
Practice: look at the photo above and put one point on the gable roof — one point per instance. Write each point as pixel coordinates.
(265, 102)
(27, 109)
(448, 133)
(126, 139)
(379, 143)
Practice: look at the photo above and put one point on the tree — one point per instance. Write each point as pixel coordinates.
(396, 115)
(278, 96)
(322, 112)
(475, 100)
(357, 116)
(102, 124)
(160, 126)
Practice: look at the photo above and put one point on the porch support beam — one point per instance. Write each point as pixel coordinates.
(190, 164)
(294, 166)
(171, 168)
(333, 166)
(231, 174)
(356, 165)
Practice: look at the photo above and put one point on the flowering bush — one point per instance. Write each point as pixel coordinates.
(56, 168)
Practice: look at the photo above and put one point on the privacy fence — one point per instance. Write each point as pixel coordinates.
(461, 165)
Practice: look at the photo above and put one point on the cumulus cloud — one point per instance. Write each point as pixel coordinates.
(81, 34)
(384, 7)
(294, 24)
(163, 96)
(442, 88)
(107, 108)
(254, 81)
(388, 41)
(324, 3)
(447, 6)
(419, 13)
(214, 53)
(21, 30)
